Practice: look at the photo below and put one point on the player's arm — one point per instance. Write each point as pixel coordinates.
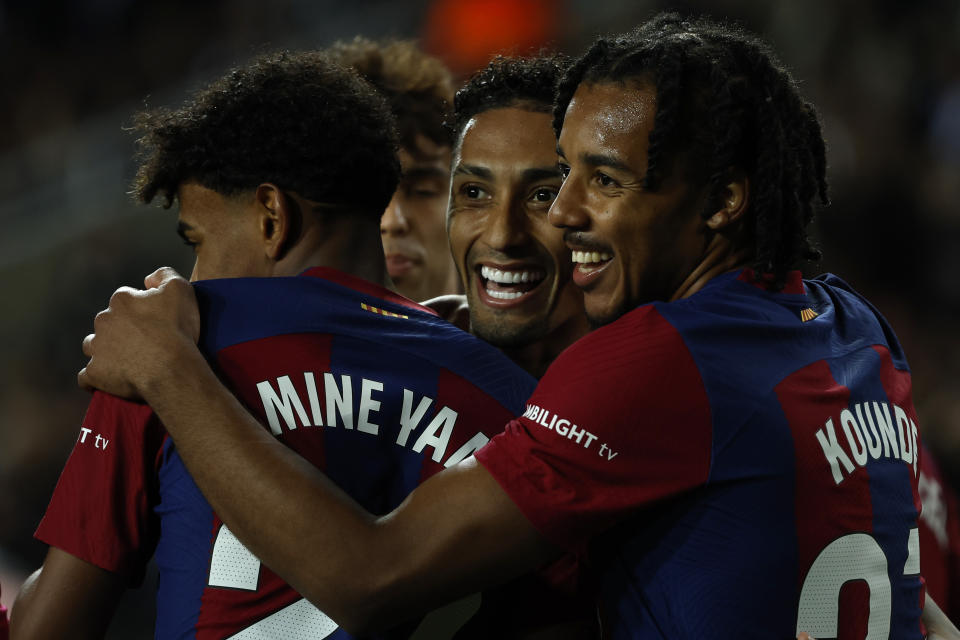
(451, 307)
(456, 534)
(66, 598)
(938, 625)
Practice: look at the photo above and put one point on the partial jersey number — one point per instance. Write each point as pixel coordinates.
(234, 567)
(855, 556)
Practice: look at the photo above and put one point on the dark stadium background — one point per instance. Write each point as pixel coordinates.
(884, 73)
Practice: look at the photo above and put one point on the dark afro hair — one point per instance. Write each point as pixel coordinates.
(297, 120)
(530, 83)
(418, 86)
(723, 101)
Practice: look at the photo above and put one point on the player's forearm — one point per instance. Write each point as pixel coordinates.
(454, 535)
(66, 598)
(282, 508)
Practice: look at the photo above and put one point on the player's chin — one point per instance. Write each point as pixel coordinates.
(601, 310)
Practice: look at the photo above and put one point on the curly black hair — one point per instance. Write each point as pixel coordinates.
(507, 82)
(297, 120)
(418, 87)
(724, 101)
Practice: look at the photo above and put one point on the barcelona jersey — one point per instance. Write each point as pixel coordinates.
(370, 387)
(741, 463)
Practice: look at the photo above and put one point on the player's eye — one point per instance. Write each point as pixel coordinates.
(422, 189)
(473, 192)
(185, 238)
(544, 195)
(604, 180)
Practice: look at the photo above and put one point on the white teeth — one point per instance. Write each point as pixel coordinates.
(504, 295)
(590, 257)
(509, 277)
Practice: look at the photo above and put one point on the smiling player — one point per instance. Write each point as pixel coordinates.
(514, 265)
(352, 377)
(735, 444)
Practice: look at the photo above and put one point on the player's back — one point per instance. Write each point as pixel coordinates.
(366, 385)
(807, 519)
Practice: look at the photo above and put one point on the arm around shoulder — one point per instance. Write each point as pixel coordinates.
(66, 598)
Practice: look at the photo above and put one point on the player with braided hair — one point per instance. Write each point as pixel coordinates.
(723, 101)
(735, 446)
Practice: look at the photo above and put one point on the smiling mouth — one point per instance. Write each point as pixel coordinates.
(509, 284)
(589, 261)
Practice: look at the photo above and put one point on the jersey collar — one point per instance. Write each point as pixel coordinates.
(364, 286)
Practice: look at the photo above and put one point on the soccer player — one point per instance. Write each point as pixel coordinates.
(280, 169)
(735, 446)
(515, 268)
(516, 273)
(419, 89)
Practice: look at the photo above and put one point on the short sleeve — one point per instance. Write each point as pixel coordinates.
(102, 508)
(619, 422)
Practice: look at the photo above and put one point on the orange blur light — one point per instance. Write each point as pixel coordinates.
(467, 33)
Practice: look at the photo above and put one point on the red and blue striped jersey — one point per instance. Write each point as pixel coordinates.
(368, 386)
(939, 537)
(740, 463)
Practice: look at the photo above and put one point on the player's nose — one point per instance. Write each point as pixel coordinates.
(568, 210)
(393, 221)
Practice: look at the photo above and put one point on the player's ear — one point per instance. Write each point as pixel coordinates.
(733, 202)
(279, 218)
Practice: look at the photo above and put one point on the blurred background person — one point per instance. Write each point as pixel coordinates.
(419, 90)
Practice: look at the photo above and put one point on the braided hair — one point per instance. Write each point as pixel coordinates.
(724, 102)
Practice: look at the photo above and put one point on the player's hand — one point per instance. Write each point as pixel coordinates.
(141, 336)
(452, 308)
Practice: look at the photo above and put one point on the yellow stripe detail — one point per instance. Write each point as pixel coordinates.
(807, 315)
(382, 312)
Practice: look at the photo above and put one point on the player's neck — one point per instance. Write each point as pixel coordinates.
(356, 251)
(721, 256)
(535, 358)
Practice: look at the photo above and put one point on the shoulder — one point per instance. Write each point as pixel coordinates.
(643, 336)
(638, 364)
(109, 413)
(395, 333)
(854, 316)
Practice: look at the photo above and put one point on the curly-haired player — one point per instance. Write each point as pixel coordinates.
(419, 89)
(735, 446)
(281, 169)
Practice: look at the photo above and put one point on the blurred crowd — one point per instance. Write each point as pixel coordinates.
(885, 75)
